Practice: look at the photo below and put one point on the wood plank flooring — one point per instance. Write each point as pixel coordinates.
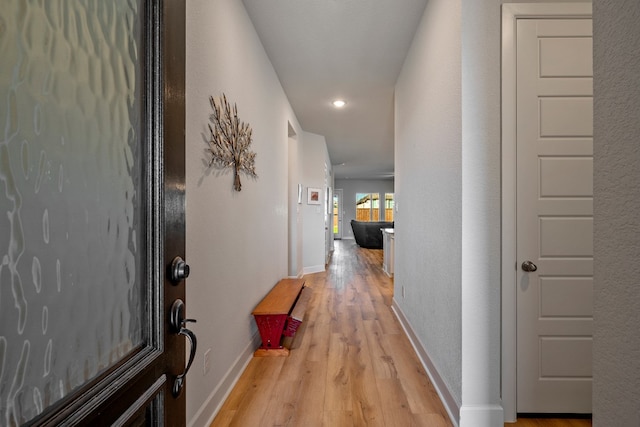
(350, 365)
(550, 422)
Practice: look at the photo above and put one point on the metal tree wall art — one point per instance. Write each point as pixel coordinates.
(230, 140)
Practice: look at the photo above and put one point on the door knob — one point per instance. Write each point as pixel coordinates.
(529, 267)
(179, 270)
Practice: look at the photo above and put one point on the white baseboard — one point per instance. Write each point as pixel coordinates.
(481, 416)
(445, 395)
(212, 405)
(314, 269)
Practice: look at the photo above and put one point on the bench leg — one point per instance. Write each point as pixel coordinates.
(271, 327)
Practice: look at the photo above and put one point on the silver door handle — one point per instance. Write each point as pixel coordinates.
(529, 267)
(178, 323)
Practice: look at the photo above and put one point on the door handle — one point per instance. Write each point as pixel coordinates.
(529, 267)
(178, 323)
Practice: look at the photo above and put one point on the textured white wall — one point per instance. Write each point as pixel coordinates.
(481, 404)
(295, 209)
(428, 188)
(352, 186)
(616, 354)
(236, 241)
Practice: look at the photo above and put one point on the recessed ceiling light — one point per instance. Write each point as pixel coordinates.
(338, 103)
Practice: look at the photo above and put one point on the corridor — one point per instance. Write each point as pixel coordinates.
(351, 363)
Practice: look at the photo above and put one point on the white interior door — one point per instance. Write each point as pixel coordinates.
(554, 215)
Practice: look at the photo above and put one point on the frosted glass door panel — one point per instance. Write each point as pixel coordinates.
(72, 228)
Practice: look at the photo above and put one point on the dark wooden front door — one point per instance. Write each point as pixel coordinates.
(91, 212)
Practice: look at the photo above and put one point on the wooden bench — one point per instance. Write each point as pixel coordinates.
(279, 315)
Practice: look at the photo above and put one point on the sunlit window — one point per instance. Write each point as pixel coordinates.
(388, 207)
(368, 207)
(336, 215)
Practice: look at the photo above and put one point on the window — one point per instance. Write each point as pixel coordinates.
(388, 207)
(367, 207)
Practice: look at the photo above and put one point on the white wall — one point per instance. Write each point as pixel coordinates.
(352, 186)
(616, 341)
(236, 241)
(295, 268)
(428, 189)
(481, 239)
(314, 159)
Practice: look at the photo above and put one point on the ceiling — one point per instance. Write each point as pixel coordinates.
(323, 50)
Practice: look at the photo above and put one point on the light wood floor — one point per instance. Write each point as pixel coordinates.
(547, 422)
(350, 365)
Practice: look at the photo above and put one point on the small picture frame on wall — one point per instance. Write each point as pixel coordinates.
(313, 196)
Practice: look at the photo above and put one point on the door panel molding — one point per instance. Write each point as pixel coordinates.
(136, 409)
(511, 12)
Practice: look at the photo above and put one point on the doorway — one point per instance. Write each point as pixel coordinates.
(294, 235)
(546, 190)
(337, 214)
